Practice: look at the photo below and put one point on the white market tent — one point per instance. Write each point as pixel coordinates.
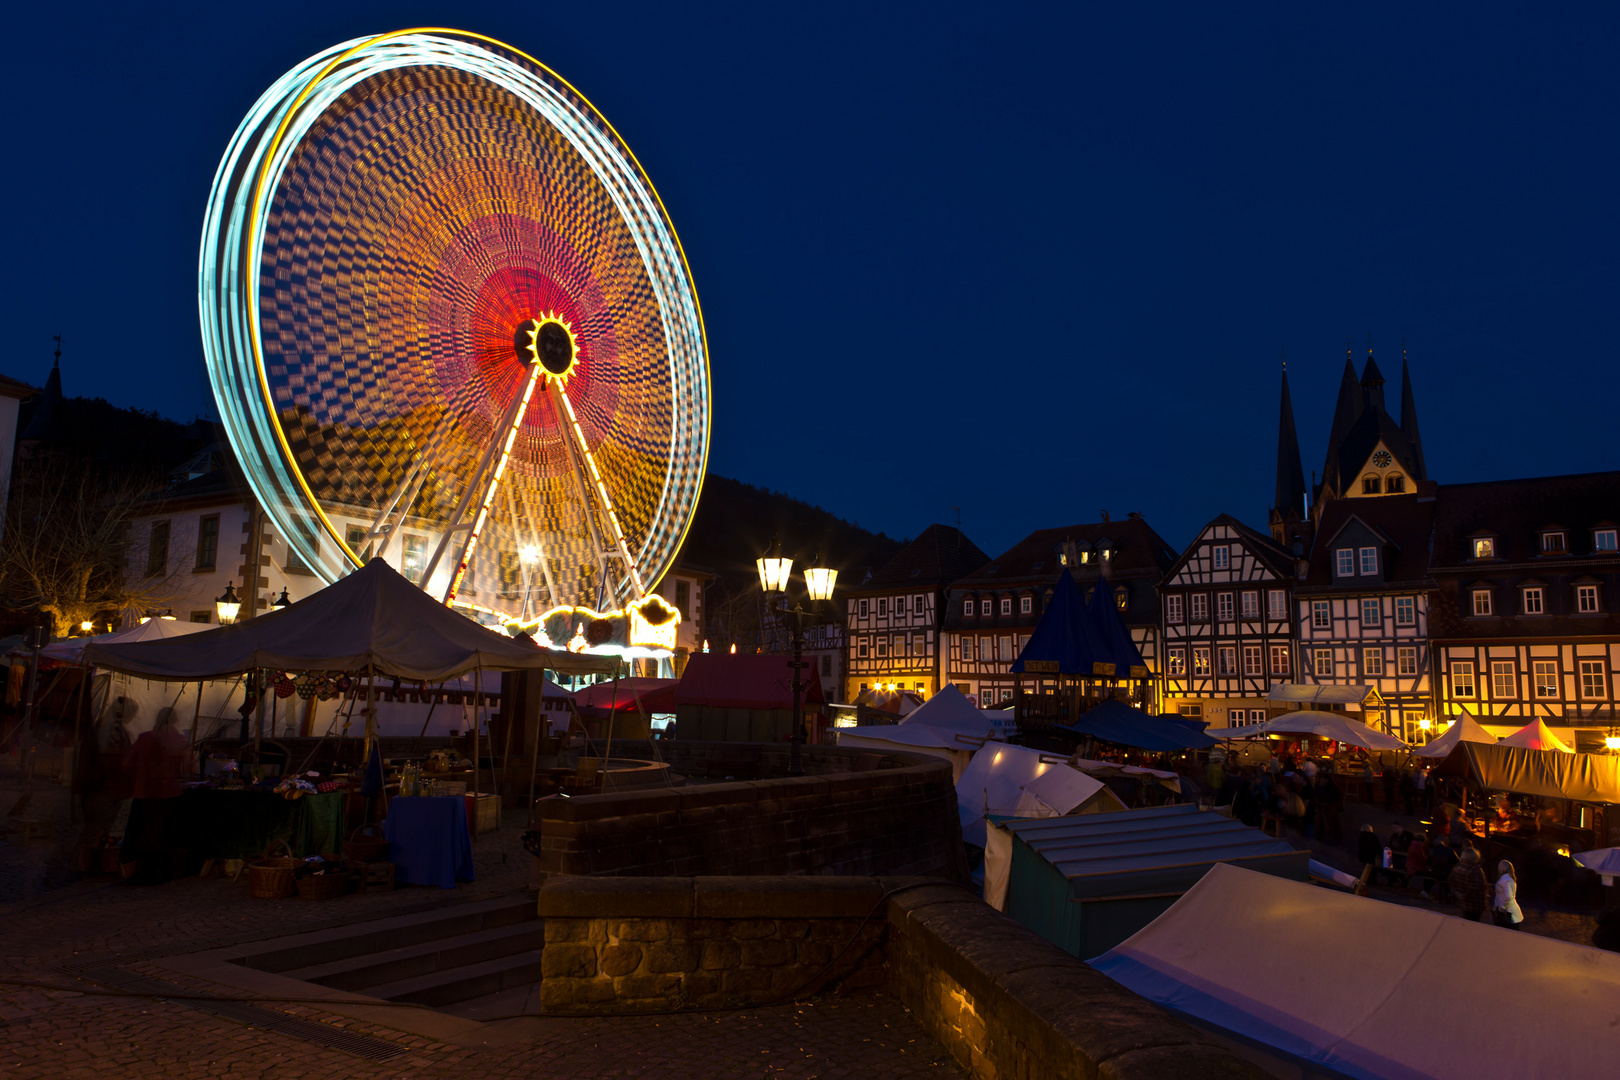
(72, 649)
(1462, 729)
(1011, 781)
(1537, 736)
(1228, 955)
(1605, 862)
(1323, 693)
(951, 710)
(1320, 725)
(947, 726)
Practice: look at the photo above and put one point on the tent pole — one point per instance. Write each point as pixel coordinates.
(258, 731)
(478, 696)
(612, 711)
(434, 704)
(196, 715)
(534, 755)
(506, 715)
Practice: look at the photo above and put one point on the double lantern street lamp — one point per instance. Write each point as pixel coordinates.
(774, 573)
(229, 605)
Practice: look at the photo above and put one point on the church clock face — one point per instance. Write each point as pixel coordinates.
(1382, 459)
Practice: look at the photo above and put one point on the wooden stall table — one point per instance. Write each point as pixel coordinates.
(240, 823)
(428, 840)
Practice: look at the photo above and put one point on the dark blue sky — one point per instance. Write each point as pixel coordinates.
(1031, 261)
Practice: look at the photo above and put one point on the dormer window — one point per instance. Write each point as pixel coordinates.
(1482, 601)
(1394, 483)
(1369, 561)
(967, 607)
(1344, 562)
(1484, 547)
(1369, 484)
(1603, 540)
(1552, 543)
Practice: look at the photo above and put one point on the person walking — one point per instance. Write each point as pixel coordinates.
(1417, 865)
(1505, 911)
(1442, 860)
(1370, 852)
(1468, 885)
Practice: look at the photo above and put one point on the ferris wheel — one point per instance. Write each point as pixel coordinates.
(449, 324)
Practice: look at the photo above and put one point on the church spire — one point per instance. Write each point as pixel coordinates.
(1372, 382)
(1346, 412)
(1290, 495)
(1409, 421)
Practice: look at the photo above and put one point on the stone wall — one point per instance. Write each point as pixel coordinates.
(1004, 1002)
(854, 812)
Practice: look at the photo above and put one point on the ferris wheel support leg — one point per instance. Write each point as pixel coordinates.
(602, 491)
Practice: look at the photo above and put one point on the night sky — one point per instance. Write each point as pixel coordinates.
(1030, 261)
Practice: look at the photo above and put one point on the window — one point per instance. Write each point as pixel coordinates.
(157, 550)
(1023, 643)
(355, 537)
(683, 599)
(1552, 543)
(1324, 661)
(202, 616)
(1603, 540)
(1394, 483)
(1321, 614)
(415, 555)
(1593, 680)
(1253, 664)
(1482, 601)
(988, 697)
(1406, 611)
(1026, 605)
(295, 562)
(1177, 661)
(826, 666)
(1006, 605)
(899, 605)
(1279, 659)
(1369, 561)
(917, 605)
(1172, 609)
(1406, 660)
(1201, 660)
(1006, 648)
(1532, 601)
(1006, 695)
(883, 607)
(1344, 562)
(967, 607)
(1484, 548)
(1223, 607)
(1544, 674)
(1121, 597)
(862, 647)
(1586, 599)
(207, 542)
(900, 644)
(1200, 607)
(1462, 678)
(1372, 613)
(1276, 604)
(882, 646)
(1226, 659)
(1504, 680)
(1223, 556)
(1369, 485)
(1251, 605)
(967, 648)
(1372, 662)
(865, 611)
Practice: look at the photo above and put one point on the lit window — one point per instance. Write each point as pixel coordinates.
(1504, 680)
(1593, 680)
(1223, 607)
(967, 607)
(1279, 660)
(1586, 598)
(1321, 614)
(1200, 607)
(1394, 483)
(1482, 601)
(1201, 661)
(1603, 540)
(1251, 605)
(1006, 695)
(1324, 661)
(1252, 660)
(1372, 661)
(1276, 604)
(1172, 609)
(1485, 548)
(1462, 678)
(1369, 485)
(1026, 605)
(1532, 601)
(1371, 613)
(1552, 543)
(1177, 661)
(1406, 660)
(1121, 597)
(988, 697)
(1545, 674)
(1226, 658)
(1405, 611)
(1369, 561)
(1345, 562)
(1223, 556)
(1006, 605)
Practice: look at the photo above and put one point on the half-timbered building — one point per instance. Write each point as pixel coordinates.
(1527, 611)
(992, 612)
(1226, 616)
(895, 616)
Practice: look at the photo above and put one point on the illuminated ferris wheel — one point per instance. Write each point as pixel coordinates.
(448, 323)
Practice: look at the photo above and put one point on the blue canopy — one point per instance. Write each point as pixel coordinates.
(1116, 638)
(1116, 722)
(1065, 641)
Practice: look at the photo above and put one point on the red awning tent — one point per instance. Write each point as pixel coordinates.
(742, 681)
(636, 695)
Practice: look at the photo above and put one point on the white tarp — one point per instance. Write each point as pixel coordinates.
(72, 649)
(1462, 729)
(1321, 694)
(951, 710)
(1605, 862)
(1387, 991)
(1011, 781)
(1326, 725)
(954, 747)
(998, 845)
(373, 619)
(1537, 736)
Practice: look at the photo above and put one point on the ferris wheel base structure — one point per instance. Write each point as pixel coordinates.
(449, 324)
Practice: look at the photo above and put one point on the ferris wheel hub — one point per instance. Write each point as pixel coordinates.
(549, 342)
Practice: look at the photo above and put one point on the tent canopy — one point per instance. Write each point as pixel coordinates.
(1323, 694)
(1549, 773)
(951, 710)
(373, 619)
(638, 695)
(1116, 722)
(1227, 954)
(1462, 729)
(1010, 781)
(72, 650)
(1536, 735)
(742, 681)
(1064, 642)
(1111, 630)
(1326, 725)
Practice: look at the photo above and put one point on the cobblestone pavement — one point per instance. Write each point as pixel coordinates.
(55, 923)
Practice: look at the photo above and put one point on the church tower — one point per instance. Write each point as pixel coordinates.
(1289, 521)
(1369, 454)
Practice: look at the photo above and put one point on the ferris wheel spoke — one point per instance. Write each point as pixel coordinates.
(591, 477)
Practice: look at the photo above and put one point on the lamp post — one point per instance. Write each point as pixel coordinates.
(228, 605)
(282, 601)
(775, 572)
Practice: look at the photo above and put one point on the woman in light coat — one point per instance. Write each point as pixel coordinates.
(1505, 911)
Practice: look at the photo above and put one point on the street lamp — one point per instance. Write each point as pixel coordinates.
(282, 601)
(774, 572)
(228, 605)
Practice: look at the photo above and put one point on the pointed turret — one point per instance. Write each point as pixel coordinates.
(42, 425)
(1409, 422)
(1290, 494)
(1346, 412)
(1372, 384)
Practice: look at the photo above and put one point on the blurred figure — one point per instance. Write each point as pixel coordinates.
(1468, 885)
(1505, 911)
(158, 763)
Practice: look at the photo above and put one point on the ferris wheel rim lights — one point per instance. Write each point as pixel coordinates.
(232, 251)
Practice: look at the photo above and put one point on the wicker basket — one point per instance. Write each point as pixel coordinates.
(321, 886)
(366, 844)
(271, 877)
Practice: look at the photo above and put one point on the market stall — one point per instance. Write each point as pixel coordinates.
(1542, 801)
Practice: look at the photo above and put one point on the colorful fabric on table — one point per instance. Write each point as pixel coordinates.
(428, 840)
